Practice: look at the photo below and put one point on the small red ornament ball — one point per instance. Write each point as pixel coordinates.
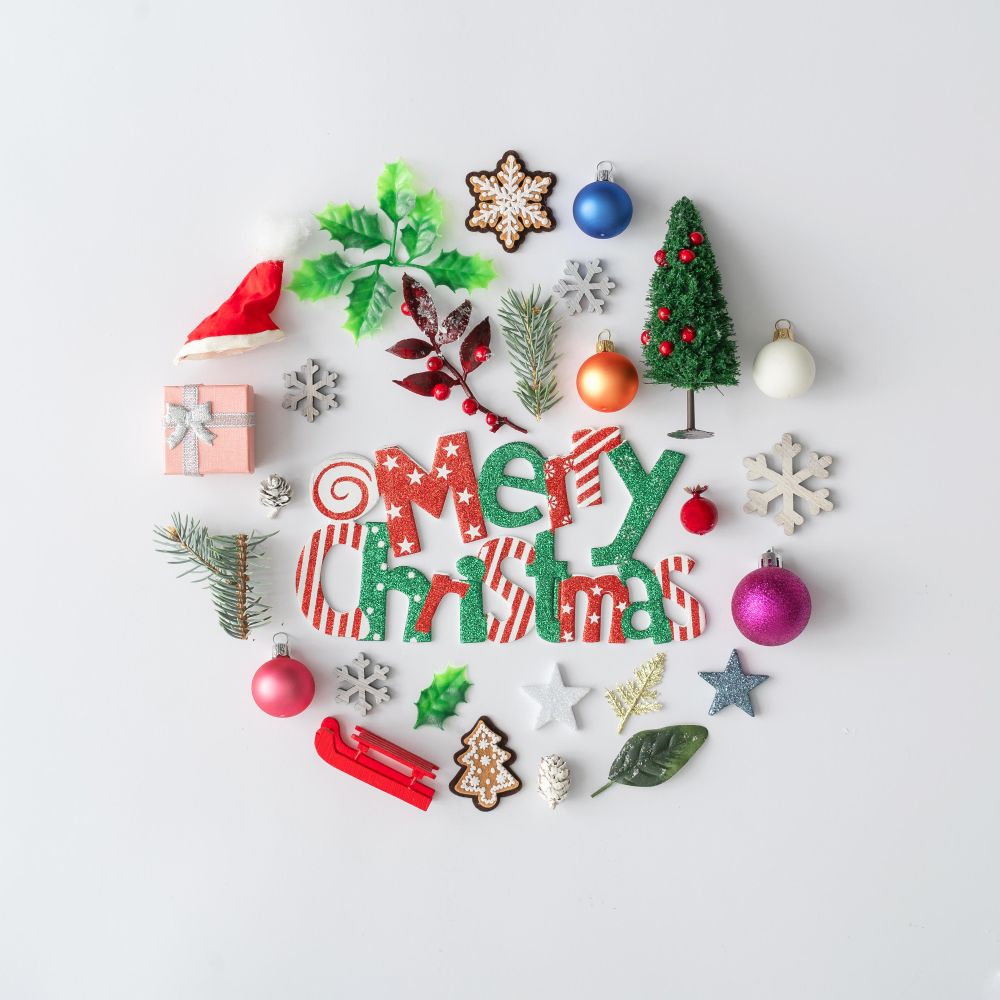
(404, 309)
(687, 335)
(644, 337)
(283, 687)
(698, 515)
(434, 363)
(491, 419)
(696, 238)
(685, 256)
(481, 353)
(664, 313)
(660, 257)
(666, 348)
(442, 391)
(469, 406)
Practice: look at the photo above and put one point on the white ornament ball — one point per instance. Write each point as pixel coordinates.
(783, 369)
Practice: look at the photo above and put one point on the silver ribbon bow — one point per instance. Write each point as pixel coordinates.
(191, 421)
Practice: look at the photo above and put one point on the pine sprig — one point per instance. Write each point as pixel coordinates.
(638, 694)
(529, 330)
(224, 563)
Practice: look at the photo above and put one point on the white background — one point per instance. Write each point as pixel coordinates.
(162, 838)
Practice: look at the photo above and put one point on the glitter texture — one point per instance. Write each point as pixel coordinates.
(377, 580)
(732, 686)
(771, 606)
(493, 475)
(555, 700)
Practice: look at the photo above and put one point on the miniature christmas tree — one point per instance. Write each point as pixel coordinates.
(688, 341)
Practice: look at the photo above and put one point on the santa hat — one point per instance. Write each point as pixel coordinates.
(243, 321)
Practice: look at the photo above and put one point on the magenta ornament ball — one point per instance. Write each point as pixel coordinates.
(283, 687)
(771, 606)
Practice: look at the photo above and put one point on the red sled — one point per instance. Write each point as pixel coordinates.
(357, 763)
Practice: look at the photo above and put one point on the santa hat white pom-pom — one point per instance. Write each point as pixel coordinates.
(279, 239)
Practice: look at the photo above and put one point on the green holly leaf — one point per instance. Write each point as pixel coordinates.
(455, 270)
(654, 756)
(353, 228)
(424, 224)
(440, 700)
(316, 279)
(366, 305)
(396, 195)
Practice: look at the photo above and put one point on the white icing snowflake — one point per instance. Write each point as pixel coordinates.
(579, 291)
(510, 201)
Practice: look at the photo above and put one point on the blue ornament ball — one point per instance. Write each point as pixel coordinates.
(602, 209)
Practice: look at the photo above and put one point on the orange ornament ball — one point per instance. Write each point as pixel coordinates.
(607, 381)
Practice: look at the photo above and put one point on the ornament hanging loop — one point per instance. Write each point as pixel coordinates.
(280, 648)
(604, 341)
(604, 170)
(783, 332)
(770, 559)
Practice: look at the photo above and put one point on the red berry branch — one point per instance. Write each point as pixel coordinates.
(441, 375)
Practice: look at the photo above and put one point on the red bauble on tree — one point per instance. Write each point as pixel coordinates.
(687, 335)
(660, 258)
(666, 348)
(685, 256)
(644, 337)
(696, 238)
(699, 515)
(663, 313)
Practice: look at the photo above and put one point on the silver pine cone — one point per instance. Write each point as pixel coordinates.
(275, 492)
(553, 779)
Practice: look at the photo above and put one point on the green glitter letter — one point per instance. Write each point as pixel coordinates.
(494, 475)
(659, 625)
(549, 572)
(377, 580)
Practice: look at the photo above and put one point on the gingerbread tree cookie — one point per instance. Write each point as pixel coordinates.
(510, 201)
(484, 776)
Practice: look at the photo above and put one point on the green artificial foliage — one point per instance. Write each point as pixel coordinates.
(693, 294)
(654, 756)
(405, 221)
(224, 563)
(439, 701)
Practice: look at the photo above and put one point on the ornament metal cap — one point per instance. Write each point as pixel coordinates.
(783, 332)
(279, 648)
(604, 341)
(770, 559)
(604, 170)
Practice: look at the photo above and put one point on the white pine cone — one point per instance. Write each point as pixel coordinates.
(275, 492)
(553, 779)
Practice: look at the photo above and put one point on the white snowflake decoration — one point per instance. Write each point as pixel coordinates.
(579, 291)
(788, 484)
(304, 386)
(510, 202)
(365, 686)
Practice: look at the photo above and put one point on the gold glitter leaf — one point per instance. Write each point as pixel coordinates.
(637, 695)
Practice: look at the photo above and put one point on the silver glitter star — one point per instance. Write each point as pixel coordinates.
(732, 686)
(555, 700)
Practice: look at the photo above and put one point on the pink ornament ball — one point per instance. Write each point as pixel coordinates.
(283, 687)
(771, 606)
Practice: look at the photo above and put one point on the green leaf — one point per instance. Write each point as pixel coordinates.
(424, 224)
(654, 756)
(455, 270)
(440, 700)
(366, 305)
(353, 228)
(316, 279)
(396, 195)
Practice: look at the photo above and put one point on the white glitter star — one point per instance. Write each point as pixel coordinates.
(596, 590)
(415, 476)
(567, 609)
(451, 449)
(594, 619)
(473, 531)
(464, 497)
(390, 462)
(555, 700)
(567, 637)
(393, 511)
(405, 546)
(443, 472)
(621, 605)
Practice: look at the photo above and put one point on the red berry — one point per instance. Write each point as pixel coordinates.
(666, 348)
(404, 309)
(644, 337)
(469, 406)
(685, 256)
(699, 515)
(442, 391)
(481, 353)
(491, 419)
(664, 313)
(696, 238)
(687, 335)
(660, 257)
(434, 363)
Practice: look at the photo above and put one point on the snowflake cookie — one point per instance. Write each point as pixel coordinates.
(579, 291)
(307, 385)
(365, 686)
(787, 484)
(510, 202)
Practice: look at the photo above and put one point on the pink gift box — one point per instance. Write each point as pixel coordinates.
(208, 428)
